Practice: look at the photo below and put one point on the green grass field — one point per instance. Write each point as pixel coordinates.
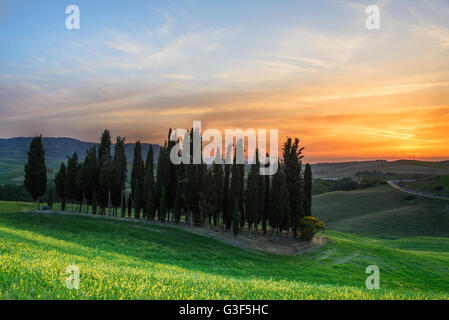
(131, 260)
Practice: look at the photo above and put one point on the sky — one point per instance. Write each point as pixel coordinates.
(310, 69)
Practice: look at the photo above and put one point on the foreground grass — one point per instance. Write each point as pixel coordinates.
(130, 260)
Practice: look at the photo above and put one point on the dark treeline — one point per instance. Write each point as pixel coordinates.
(220, 196)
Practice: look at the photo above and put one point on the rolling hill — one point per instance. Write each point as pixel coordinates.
(13, 154)
(401, 168)
(382, 212)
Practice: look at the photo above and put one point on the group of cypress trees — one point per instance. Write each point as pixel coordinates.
(215, 196)
(96, 182)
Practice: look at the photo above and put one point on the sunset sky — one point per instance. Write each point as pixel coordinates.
(308, 68)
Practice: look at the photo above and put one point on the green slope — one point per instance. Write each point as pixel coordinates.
(382, 212)
(121, 260)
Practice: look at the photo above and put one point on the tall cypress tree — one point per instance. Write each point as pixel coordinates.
(241, 166)
(308, 190)
(70, 182)
(227, 204)
(149, 184)
(36, 170)
(261, 194)
(173, 180)
(119, 174)
(252, 194)
(265, 213)
(106, 177)
(60, 184)
(104, 159)
(149, 206)
(81, 183)
(91, 175)
(293, 166)
(137, 179)
(219, 185)
(236, 189)
(163, 182)
(278, 200)
(177, 211)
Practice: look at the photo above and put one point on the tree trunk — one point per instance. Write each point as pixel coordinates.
(109, 202)
(121, 203)
(38, 205)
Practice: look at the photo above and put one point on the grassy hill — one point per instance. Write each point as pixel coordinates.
(13, 155)
(435, 184)
(389, 169)
(382, 212)
(131, 260)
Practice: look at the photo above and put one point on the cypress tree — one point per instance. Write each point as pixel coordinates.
(90, 172)
(35, 170)
(219, 185)
(104, 168)
(149, 207)
(94, 201)
(60, 184)
(252, 194)
(177, 211)
(293, 166)
(173, 170)
(266, 199)
(163, 204)
(210, 194)
(261, 201)
(119, 174)
(70, 183)
(137, 200)
(191, 190)
(137, 179)
(163, 181)
(236, 218)
(241, 167)
(226, 192)
(149, 184)
(81, 182)
(130, 206)
(308, 190)
(236, 188)
(278, 200)
(106, 177)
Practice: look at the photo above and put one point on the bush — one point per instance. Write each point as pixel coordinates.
(410, 197)
(346, 184)
(310, 226)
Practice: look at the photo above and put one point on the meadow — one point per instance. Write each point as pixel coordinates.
(132, 260)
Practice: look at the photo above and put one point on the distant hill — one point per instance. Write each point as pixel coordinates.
(399, 167)
(13, 154)
(60, 148)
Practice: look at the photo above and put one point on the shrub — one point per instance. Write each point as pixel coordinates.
(310, 226)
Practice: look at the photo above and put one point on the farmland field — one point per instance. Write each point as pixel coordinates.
(132, 260)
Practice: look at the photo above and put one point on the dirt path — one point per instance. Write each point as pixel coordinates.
(394, 184)
(267, 244)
